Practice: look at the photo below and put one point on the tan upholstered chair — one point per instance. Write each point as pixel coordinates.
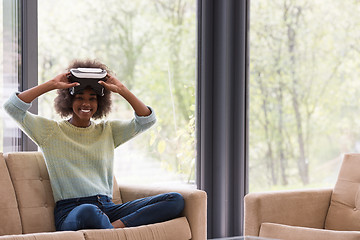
(27, 205)
(326, 214)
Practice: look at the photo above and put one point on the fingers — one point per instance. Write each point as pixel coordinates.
(106, 85)
(74, 84)
(68, 85)
(110, 78)
(102, 83)
(109, 86)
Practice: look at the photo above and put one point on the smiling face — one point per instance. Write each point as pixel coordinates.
(84, 106)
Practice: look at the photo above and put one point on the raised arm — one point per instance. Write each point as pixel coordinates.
(59, 82)
(114, 85)
(36, 127)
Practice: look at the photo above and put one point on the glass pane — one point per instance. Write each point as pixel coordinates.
(10, 53)
(150, 45)
(304, 91)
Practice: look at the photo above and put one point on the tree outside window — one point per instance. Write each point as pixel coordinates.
(304, 91)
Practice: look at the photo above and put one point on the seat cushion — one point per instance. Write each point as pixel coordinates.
(9, 213)
(279, 231)
(344, 210)
(47, 236)
(176, 229)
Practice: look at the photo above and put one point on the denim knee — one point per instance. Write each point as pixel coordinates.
(179, 202)
(94, 216)
(86, 216)
(88, 211)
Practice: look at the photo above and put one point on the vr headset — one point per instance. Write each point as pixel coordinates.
(87, 77)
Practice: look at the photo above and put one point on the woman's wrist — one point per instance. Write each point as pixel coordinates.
(139, 107)
(31, 94)
(123, 91)
(50, 85)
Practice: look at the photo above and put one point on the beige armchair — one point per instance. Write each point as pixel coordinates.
(327, 214)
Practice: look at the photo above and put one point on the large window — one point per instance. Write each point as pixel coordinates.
(10, 60)
(2, 77)
(150, 45)
(304, 91)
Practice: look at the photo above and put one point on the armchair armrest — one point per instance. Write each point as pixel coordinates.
(195, 204)
(305, 208)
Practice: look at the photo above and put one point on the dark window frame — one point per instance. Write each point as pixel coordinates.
(29, 56)
(222, 117)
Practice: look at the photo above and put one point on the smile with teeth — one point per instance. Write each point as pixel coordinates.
(85, 110)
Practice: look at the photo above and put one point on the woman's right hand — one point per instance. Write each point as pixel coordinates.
(61, 81)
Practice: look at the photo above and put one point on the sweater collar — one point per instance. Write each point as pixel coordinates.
(70, 126)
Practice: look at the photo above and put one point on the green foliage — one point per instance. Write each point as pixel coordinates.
(303, 91)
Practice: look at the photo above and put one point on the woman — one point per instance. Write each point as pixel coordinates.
(79, 153)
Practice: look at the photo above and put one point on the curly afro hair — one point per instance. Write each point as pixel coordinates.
(63, 101)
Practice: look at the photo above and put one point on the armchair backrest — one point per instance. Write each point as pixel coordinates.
(344, 210)
(9, 218)
(33, 192)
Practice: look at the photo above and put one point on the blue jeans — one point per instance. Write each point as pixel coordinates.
(98, 212)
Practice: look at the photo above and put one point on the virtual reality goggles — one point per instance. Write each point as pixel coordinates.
(87, 77)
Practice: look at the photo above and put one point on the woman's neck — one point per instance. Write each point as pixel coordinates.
(78, 123)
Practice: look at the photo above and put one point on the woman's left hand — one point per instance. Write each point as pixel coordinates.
(114, 85)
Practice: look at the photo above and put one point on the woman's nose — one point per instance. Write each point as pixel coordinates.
(85, 103)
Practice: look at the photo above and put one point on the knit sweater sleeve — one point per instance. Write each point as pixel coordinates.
(125, 130)
(37, 128)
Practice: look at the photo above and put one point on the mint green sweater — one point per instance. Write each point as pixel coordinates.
(79, 160)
